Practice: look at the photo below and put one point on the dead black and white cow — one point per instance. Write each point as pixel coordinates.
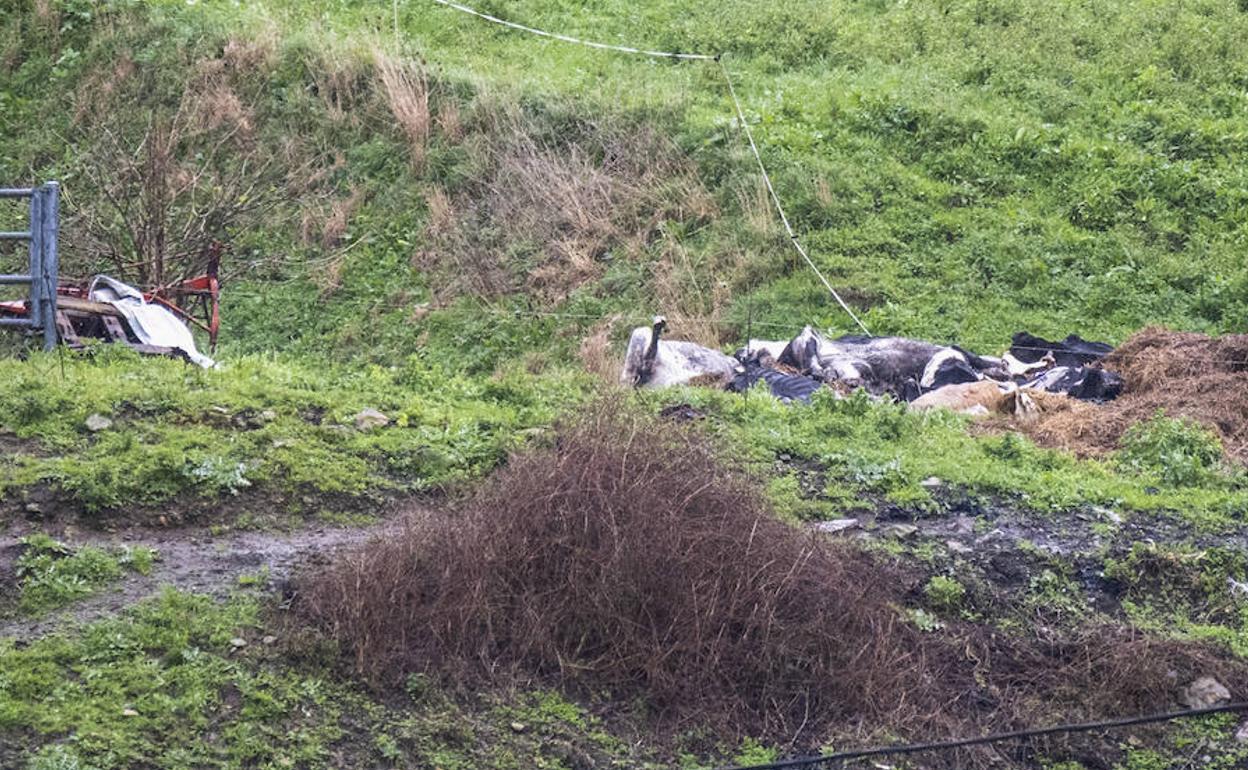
(903, 367)
(651, 362)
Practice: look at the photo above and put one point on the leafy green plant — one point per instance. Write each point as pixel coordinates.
(1175, 451)
(51, 574)
(945, 594)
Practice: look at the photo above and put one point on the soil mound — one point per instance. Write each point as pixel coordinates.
(1185, 374)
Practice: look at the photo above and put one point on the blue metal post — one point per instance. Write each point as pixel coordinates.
(34, 307)
(44, 260)
(49, 267)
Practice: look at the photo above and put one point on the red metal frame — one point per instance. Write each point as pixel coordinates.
(195, 300)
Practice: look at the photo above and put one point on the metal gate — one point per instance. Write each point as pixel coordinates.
(42, 276)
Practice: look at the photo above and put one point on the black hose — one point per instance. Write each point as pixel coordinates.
(914, 748)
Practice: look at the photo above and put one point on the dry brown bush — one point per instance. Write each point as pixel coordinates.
(627, 558)
(173, 181)
(1186, 374)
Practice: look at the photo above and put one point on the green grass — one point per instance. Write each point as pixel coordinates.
(879, 451)
(51, 574)
(261, 425)
(168, 685)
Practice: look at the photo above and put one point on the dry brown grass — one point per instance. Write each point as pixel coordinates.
(343, 84)
(626, 558)
(693, 295)
(450, 124)
(546, 213)
(757, 208)
(1186, 374)
(406, 90)
(596, 351)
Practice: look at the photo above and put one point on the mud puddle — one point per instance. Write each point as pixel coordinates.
(196, 562)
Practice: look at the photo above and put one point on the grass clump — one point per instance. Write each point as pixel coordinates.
(1175, 452)
(945, 594)
(51, 574)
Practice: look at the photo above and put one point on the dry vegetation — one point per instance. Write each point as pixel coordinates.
(546, 215)
(627, 558)
(170, 185)
(406, 90)
(1185, 374)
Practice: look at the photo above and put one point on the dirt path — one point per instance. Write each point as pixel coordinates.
(193, 561)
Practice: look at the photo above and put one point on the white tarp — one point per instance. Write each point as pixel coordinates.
(151, 323)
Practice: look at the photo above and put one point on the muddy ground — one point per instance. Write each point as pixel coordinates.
(192, 560)
(996, 545)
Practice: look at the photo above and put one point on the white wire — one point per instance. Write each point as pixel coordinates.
(569, 39)
(784, 219)
(776, 200)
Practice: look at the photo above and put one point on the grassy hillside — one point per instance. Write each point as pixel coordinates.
(440, 202)
(458, 224)
(963, 170)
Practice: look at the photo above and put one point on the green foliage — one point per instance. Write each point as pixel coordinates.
(260, 425)
(142, 690)
(1186, 592)
(57, 757)
(1176, 452)
(51, 574)
(871, 448)
(945, 594)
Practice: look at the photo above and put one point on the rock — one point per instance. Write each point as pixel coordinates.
(1241, 735)
(369, 419)
(518, 727)
(836, 525)
(900, 531)
(1107, 513)
(1203, 693)
(931, 482)
(957, 546)
(1237, 588)
(269, 639)
(268, 415)
(129, 713)
(238, 642)
(98, 422)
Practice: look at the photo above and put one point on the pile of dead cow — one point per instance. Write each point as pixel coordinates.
(1033, 376)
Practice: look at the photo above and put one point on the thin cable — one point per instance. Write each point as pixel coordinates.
(914, 748)
(797, 244)
(570, 39)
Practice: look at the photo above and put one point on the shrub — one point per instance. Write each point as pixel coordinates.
(627, 557)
